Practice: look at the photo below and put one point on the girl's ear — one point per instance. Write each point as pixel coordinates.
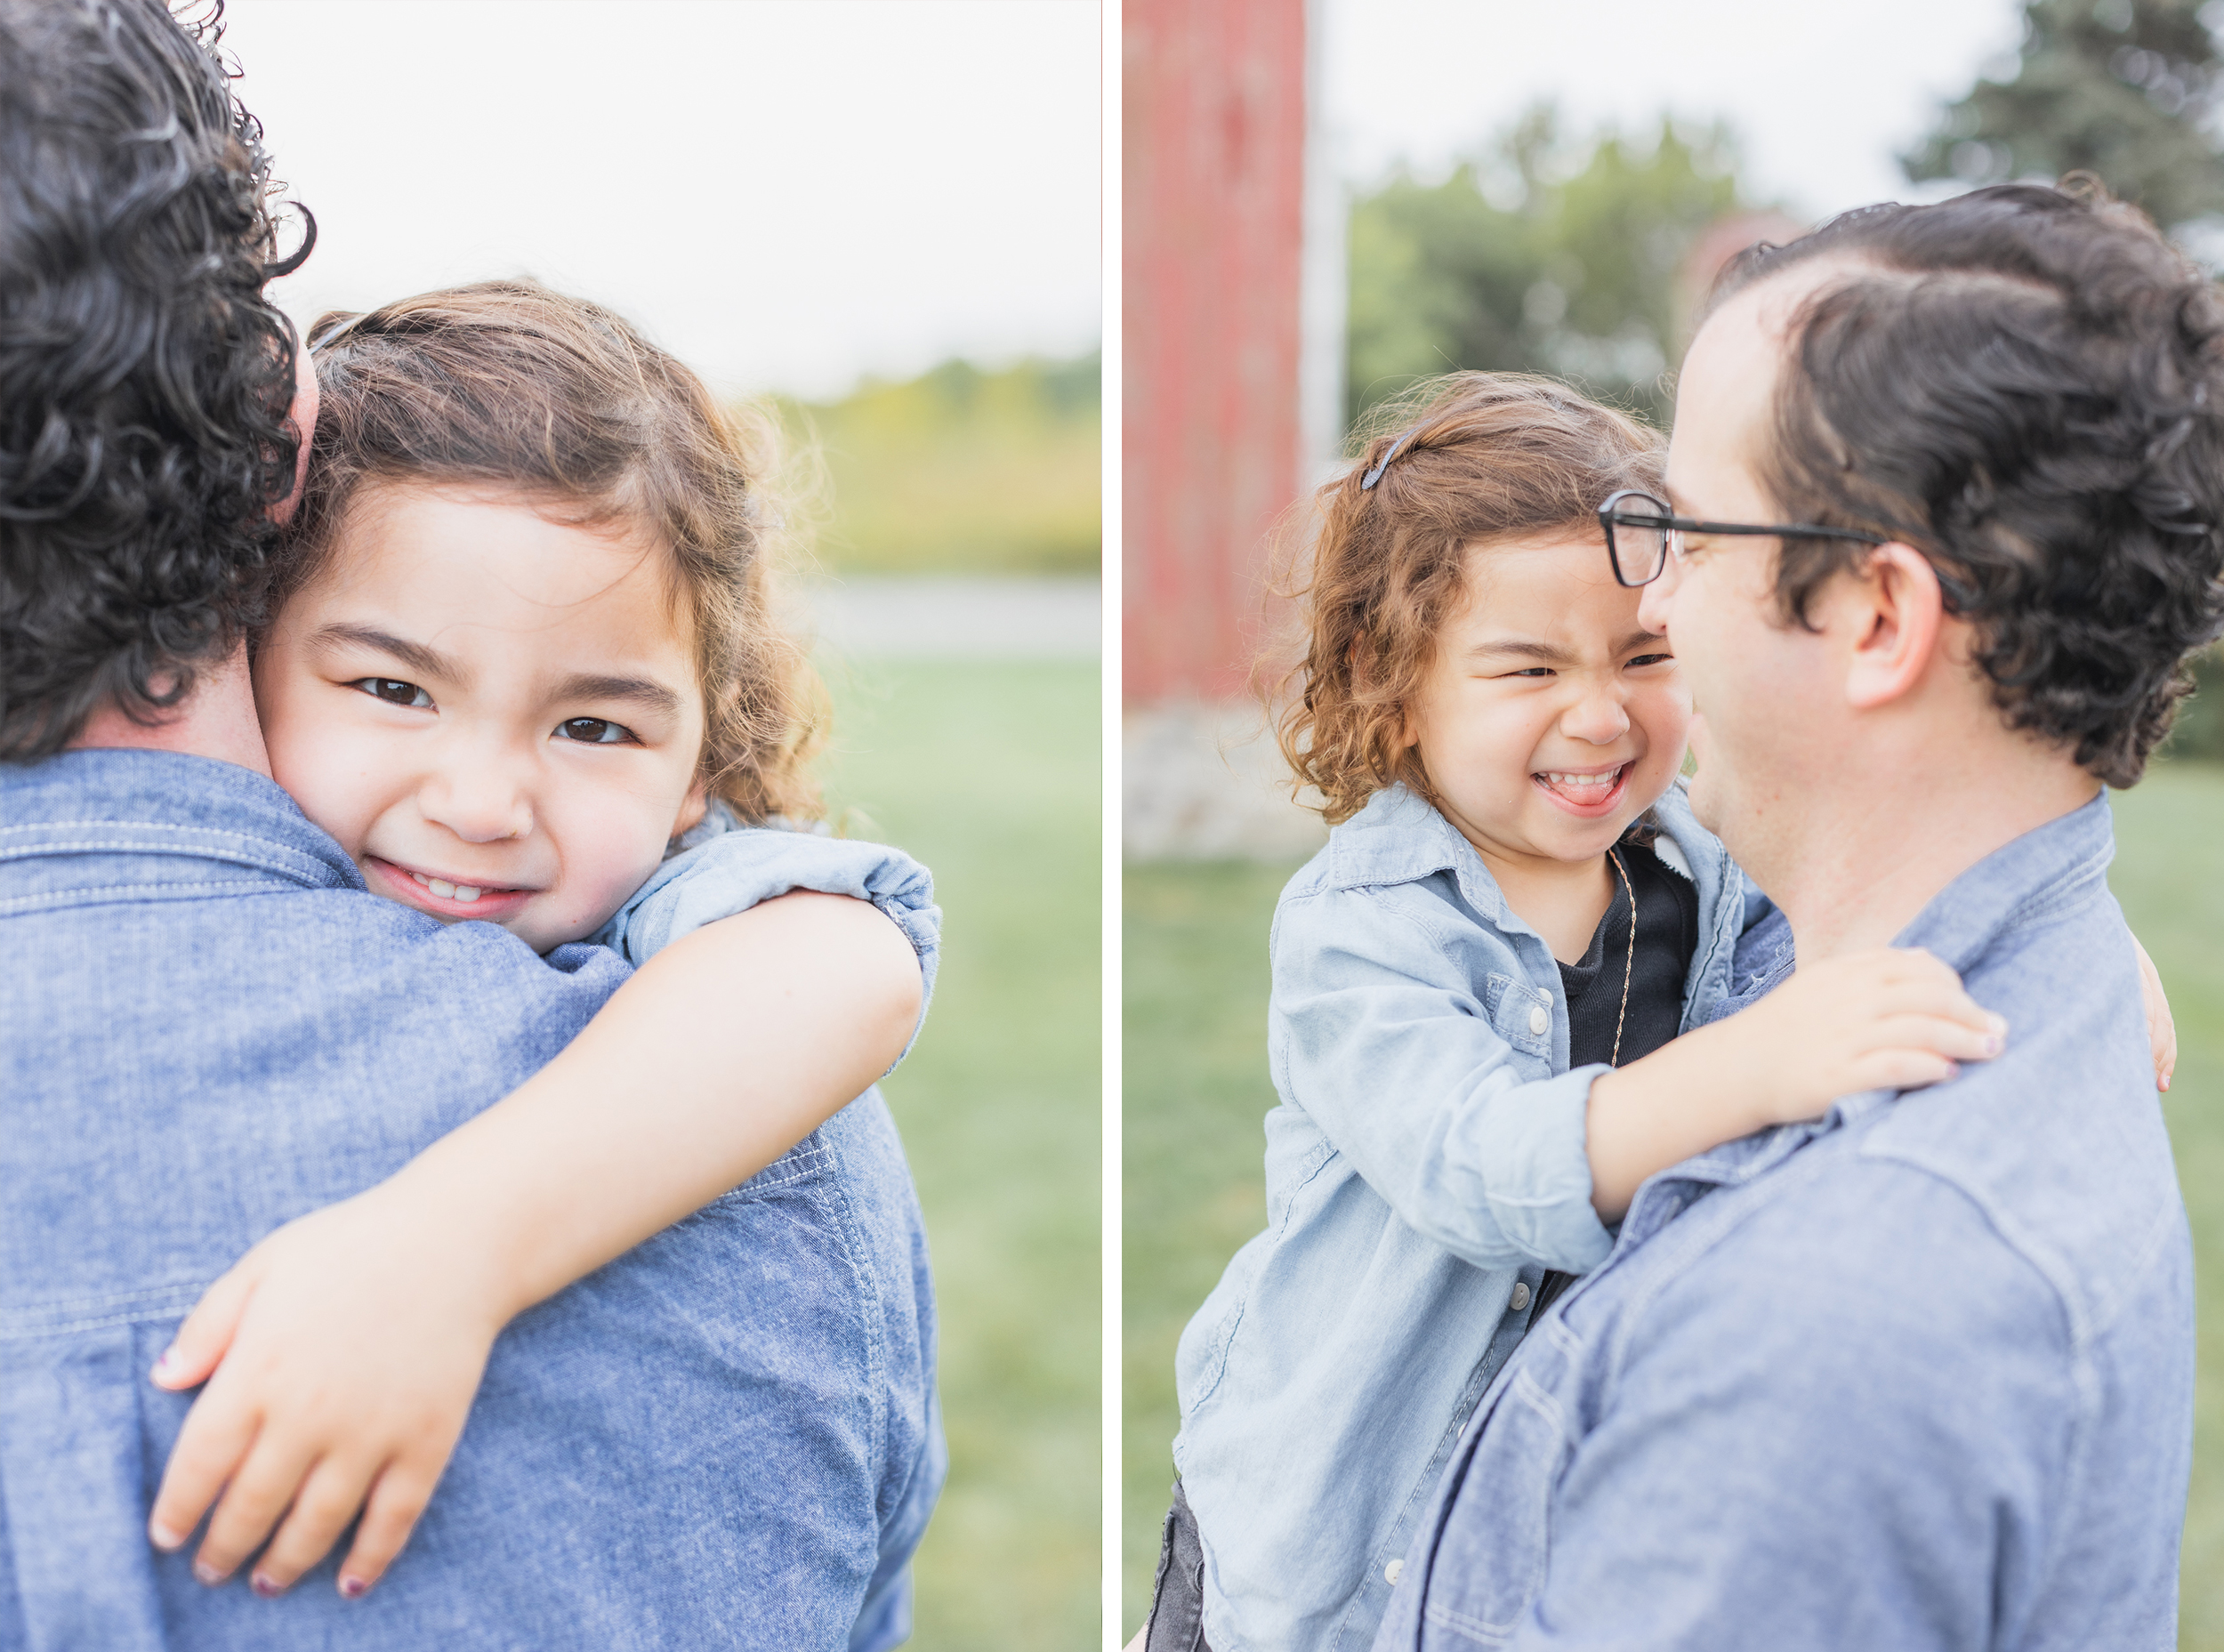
(692, 808)
(303, 418)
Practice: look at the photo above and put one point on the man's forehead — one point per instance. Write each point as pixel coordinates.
(1728, 384)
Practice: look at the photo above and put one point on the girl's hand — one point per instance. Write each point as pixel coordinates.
(351, 1344)
(1887, 1019)
(2162, 1032)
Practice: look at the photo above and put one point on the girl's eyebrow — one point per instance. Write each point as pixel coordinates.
(637, 690)
(417, 657)
(1520, 649)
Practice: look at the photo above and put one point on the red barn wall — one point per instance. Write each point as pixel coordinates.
(1213, 227)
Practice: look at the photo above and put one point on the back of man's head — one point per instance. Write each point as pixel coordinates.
(2026, 383)
(144, 379)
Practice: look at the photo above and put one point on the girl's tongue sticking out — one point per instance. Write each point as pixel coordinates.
(1590, 793)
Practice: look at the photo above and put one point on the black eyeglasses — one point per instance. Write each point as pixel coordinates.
(1642, 533)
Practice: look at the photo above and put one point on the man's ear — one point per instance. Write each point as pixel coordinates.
(693, 807)
(1899, 611)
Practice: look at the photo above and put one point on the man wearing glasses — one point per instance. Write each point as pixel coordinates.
(1945, 494)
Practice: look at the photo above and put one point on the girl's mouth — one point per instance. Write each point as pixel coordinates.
(1586, 793)
(444, 897)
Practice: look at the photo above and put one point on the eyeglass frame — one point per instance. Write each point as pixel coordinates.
(1670, 523)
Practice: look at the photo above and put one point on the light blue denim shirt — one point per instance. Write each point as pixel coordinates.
(722, 868)
(726, 1438)
(1425, 1169)
(1919, 1375)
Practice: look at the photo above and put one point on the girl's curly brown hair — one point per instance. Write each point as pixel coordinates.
(508, 383)
(1480, 458)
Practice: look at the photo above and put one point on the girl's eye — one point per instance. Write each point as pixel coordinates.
(594, 732)
(1533, 671)
(394, 691)
(1652, 659)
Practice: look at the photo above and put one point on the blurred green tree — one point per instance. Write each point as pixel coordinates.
(1547, 253)
(963, 471)
(2123, 89)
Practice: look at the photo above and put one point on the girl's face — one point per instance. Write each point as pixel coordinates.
(496, 714)
(1549, 719)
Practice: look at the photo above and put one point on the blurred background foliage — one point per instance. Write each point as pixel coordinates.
(1549, 253)
(963, 469)
(2124, 89)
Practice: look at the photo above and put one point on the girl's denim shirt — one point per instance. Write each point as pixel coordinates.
(721, 866)
(1425, 1169)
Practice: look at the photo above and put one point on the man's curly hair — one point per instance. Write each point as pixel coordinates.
(144, 377)
(2026, 383)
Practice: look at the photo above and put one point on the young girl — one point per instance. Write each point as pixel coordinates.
(525, 653)
(1491, 1009)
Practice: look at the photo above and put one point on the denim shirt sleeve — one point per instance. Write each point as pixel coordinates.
(724, 868)
(1392, 1042)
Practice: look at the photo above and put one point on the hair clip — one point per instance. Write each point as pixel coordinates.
(1376, 475)
(321, 341)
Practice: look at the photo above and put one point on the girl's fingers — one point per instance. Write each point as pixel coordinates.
(217, 1436)
(1934, 1034)
(328, 1500)
(207, 1333)
(1903, 1069)
(1942, 998)
(391, 1515)
(251, 1505)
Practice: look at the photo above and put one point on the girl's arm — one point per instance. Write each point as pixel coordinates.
(352, 1341)
(1426, 1063)
(1876, 1019)
(1885, 1019)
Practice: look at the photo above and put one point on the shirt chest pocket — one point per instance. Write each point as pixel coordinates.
(1491, 1553)
(1521, 1014)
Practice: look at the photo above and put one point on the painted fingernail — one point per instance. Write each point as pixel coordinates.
(352, 1588)
(1993, 1045)
(265, 1585)
(165, 1365)
(207, 1572)
(1999, 1024)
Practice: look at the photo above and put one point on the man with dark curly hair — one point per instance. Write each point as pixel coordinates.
(209, 1027)
(1946, 516)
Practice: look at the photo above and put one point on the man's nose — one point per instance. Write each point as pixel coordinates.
(478, 794)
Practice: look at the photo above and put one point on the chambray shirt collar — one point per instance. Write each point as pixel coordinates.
(1399, 839)
(63, 817)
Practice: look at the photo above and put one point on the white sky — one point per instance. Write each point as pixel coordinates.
(1823, 94)
(786, 193)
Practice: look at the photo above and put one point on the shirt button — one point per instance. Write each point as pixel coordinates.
(1521, 1297)
(1393, 1572)
(1538, 1019)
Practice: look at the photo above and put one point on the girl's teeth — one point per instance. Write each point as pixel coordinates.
(447, 890)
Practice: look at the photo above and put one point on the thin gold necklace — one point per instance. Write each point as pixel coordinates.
(1629, 964)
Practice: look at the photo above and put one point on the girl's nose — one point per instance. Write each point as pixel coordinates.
(478, 797)
(1596, 719)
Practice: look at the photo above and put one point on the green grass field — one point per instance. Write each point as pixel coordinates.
(991, 775)
(1195, 973)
